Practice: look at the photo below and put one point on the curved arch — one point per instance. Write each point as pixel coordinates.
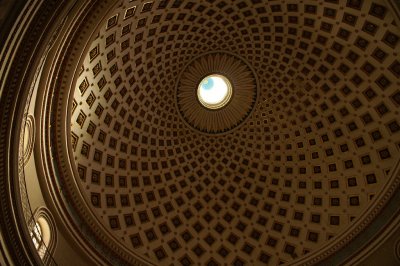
(43, 232)
(28, 137)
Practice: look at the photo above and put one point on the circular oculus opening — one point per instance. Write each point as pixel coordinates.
(214, 91)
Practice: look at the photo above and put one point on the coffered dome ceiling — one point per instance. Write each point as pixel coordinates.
(277, 174)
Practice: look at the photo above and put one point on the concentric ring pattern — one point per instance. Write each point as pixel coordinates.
(309, 160)
(240, 105)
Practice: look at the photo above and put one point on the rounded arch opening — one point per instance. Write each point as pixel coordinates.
(43, 233)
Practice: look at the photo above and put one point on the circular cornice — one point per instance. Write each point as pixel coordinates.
(16, 63)
(241, 102)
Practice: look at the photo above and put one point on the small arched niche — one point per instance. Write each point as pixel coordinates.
(43, 233)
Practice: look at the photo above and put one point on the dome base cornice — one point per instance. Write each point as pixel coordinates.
(17, 60)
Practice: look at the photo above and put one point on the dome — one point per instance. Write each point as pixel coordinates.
(220, 132)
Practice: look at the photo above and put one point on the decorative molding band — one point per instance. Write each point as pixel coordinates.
(16, 58)
(394, 6)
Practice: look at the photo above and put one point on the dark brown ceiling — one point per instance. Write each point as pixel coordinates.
(306, 164)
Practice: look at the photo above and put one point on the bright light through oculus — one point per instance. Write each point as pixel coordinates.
(214, 91)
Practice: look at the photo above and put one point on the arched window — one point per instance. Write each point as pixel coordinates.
(36, 235)
(43, 233)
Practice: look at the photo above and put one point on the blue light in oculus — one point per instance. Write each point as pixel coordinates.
(214, 91)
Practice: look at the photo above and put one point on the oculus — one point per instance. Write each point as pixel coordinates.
(214, 91)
